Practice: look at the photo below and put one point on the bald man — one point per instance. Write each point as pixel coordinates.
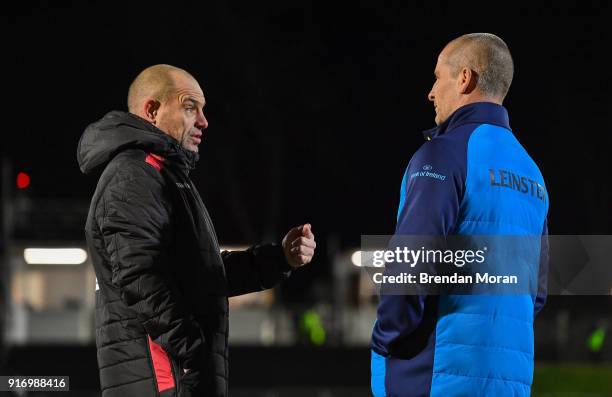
(162, 282)
(466, 345)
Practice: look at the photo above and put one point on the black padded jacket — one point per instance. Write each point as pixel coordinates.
(163, 284)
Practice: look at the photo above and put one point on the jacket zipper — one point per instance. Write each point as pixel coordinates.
(177, 381)
(206, 216)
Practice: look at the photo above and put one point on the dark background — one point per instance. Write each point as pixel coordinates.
(315, 108)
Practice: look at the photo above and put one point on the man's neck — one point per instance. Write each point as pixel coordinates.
(477, 97)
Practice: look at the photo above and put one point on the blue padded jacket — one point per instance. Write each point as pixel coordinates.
(464, 345)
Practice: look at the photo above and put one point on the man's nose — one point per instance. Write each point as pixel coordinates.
(201, 121)
(431, 96)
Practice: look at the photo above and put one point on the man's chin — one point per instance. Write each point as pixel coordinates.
(439, 119)
(191, 148)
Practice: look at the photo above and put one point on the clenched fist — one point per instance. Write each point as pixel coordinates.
(299, 245)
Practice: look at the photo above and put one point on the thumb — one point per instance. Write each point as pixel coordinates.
(307, 230)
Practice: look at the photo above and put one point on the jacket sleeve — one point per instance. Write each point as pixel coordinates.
(540, 299)
(255, 269)
(431, 192)
(134, 226)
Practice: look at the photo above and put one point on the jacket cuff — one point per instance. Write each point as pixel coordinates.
(273, 254)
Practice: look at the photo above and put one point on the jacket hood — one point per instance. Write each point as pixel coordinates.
(118, 131)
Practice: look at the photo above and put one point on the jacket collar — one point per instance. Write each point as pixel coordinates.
(473, 113)
(173, 151)
(118, 131)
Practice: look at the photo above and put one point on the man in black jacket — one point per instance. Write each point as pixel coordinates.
(163, 284)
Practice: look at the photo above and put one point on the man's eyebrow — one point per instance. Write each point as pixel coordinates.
(195, 102)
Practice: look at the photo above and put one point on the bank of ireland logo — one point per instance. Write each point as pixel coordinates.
(428, 173)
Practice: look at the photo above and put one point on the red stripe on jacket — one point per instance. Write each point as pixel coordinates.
(161, 366)
(155, 160)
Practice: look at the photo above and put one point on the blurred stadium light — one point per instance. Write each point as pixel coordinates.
(54, 256)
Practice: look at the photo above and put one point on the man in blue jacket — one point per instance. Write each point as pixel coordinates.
(465, 345)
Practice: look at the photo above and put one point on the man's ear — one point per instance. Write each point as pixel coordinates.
(468, 79)
(150, 109)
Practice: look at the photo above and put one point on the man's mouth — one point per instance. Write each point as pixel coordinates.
(197, 138)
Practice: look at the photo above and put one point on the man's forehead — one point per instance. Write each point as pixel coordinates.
(455, 49)
(446, 55)
(440, 61)
(189, 95)
(188, 88)
(446, 52)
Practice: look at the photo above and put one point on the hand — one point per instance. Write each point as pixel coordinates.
(299, 245)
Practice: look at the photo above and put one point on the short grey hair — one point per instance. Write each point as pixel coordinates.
(489, 57)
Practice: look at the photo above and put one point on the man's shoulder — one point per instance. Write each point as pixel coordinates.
(448, 149)
(133, 166)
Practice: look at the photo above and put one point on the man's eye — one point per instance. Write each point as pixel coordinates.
(190, 109)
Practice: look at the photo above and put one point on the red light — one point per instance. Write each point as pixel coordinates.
(23, 180)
